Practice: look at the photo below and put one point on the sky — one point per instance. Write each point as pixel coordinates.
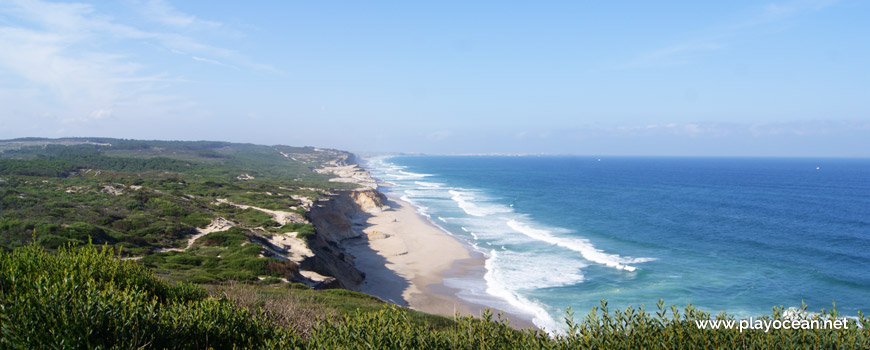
(667, 78)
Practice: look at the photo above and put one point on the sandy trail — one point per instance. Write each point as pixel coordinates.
(216, 225)
(281, 217)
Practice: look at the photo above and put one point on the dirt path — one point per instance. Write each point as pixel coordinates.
(216, 225)
(281, 217)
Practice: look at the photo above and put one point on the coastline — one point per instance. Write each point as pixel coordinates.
(406, 259)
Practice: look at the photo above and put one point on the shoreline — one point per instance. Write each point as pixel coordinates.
(406, 259)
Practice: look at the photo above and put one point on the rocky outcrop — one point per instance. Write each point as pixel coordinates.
(343, 214)
(339, 217)
(336, 219)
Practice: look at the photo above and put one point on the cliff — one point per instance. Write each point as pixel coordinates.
(340, 217)
(336, 219)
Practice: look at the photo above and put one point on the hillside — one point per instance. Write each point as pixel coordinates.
(190, 210)
(214, 244)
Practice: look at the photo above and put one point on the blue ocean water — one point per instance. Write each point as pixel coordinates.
(725, 234)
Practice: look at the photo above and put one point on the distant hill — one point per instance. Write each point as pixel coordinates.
(188, 209)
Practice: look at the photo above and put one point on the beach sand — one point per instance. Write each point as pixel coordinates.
(406, 259)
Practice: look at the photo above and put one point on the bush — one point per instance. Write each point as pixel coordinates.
(297, 285)
(231, 237)
(197, 219)
(54, 242)
(303, 231)
(270, 280)
(350, 293)
(240, 276)
(282, 268)
(85, 298)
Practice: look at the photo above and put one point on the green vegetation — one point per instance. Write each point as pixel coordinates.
(87, 298)
(220, 257)
(145, 199)
(149, 197)
(303, 231)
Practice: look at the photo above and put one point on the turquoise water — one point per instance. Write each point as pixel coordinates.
(739, 235)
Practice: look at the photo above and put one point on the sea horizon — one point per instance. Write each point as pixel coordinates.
(368, 155)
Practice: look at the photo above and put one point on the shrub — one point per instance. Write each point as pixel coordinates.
(297, 285)
(231, 237)
(350, 293)
(240, 276)
(197, 219)
(282, 268)
(85, 298)
(270, 280)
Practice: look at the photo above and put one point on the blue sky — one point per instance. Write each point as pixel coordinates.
(698, 78)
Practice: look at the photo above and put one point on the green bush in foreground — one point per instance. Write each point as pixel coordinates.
(86, 298)
(83, 298)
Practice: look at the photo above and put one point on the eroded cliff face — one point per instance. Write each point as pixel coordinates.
(336, 219)
(343, 215)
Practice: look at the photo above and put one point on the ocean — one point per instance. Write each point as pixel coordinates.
(739, 235)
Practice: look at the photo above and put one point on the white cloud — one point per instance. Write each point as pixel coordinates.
(689, 50)
(163, 12)
(63, 59)
(101, 114)
(214, 62)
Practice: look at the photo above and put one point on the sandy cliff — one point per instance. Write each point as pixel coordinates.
(335, 220)
(340, 217)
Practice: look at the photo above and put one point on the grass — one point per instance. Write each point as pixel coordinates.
(303, 309)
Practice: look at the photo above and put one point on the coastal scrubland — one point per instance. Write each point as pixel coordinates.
(108, 243)
(149, 198)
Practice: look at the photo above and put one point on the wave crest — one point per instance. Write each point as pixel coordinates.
(586, 249)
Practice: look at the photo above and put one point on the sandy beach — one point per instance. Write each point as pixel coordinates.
(405, 259)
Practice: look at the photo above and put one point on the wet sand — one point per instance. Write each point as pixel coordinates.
(406, 258)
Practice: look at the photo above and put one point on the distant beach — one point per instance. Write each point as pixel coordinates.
(406, 259)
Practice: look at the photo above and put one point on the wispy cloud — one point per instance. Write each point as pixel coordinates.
(214, 62)
(669, 56)
(163, 12)
(690, 50)
(775, 11)
(67, 53)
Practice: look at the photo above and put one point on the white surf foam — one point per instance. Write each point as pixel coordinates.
(586, 249)
(413, 175)
(415, 193)
(465, 200)
(496, 286)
